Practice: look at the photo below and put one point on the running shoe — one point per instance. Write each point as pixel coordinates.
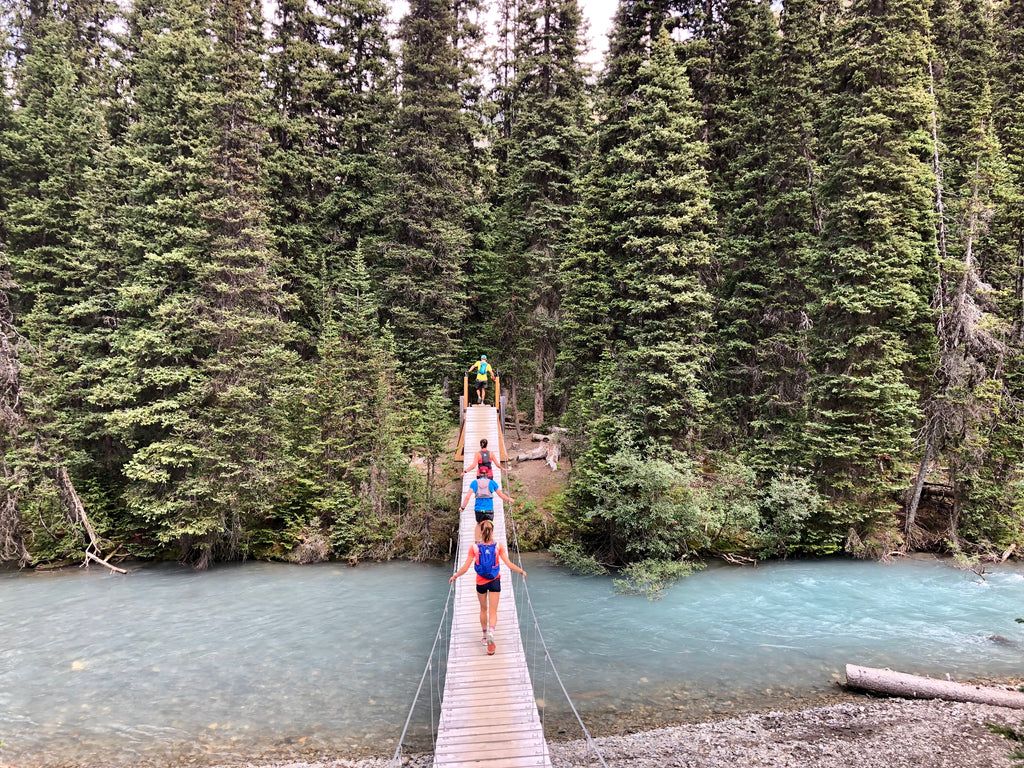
(490, 642)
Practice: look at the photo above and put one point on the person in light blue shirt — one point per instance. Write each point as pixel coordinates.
(484, 488)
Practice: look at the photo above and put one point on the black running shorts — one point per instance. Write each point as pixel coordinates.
(494, 585)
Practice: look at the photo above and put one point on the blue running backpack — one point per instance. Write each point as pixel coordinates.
(487, 564)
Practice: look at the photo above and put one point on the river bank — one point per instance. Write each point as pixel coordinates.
(863, 732)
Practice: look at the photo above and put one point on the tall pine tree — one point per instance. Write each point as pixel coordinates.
(200, 354)
(546, 119)
(872, 336)
(422, 264)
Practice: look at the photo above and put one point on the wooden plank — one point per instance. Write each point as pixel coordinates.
(486, 750)
(497, 732)
(524, 761)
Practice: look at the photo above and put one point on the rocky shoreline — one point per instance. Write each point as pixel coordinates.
(862, 733)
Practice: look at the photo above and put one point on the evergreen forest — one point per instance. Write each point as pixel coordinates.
(763, 270)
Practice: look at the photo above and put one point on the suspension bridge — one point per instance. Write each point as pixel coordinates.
(488, 711)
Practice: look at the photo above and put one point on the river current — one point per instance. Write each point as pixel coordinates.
(169, 666)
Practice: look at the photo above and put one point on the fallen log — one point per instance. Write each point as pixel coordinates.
(890, 683)
(536, 453)
(90, 556)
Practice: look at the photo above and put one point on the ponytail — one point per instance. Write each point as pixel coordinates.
(486, 531)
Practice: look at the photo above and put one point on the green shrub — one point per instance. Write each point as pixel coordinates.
(651, 577)
(643, 507)
(570, 554)
(728, 508)
(787, 504)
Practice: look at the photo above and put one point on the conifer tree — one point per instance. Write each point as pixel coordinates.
(973, 415)
(872, 335)
(302, 156)
(52, 146)
(767, 168)
(362, 98)
(967, 170)
(587, 289)
(660, 221)
(423, 263)
(1008, 94)
(200, 354)
(334, 429)
(546, 119)
(649, 236)
(332, 76)
(585, 271)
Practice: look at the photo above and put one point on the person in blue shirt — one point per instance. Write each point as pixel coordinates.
(484, 488)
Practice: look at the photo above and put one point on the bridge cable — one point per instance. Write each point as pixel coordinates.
(547, 654)
(396, 760)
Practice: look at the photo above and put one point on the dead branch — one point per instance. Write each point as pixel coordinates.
(90, 556)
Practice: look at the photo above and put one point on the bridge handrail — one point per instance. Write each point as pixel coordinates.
(547, 655)
(396, 761)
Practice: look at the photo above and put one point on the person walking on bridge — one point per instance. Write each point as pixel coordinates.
(482, 459)
(486, 557)
(484, 489)
(483, 370)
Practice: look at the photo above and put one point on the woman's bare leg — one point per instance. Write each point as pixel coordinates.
(493, 599)
(483, 610)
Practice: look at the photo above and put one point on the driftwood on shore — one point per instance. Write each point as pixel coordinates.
(890, 683)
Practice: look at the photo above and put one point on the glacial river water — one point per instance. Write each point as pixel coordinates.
(169, 666)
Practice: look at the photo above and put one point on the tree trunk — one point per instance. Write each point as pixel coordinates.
(515, 410)
(890, 683)
(75, 511)
(915, 496)
(538, 404)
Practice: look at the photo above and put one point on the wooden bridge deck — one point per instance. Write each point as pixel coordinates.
(488, 711)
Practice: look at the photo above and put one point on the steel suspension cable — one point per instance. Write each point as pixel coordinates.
(547, 655)
(396, 760)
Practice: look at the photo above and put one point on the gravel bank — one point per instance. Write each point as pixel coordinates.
(866, 733)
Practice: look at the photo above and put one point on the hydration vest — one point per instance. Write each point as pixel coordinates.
(484, 491)
(487, 564)
(481, 372)
(485, 460)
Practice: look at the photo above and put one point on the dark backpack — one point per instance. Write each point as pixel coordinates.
(487, 564)
(485, 458)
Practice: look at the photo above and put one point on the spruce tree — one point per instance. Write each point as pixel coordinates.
(362, 100)
(332, 77)
(546, 119)
(301, 158)
(200, 355)
(53, 146)
(586, 271)
(423, 262)
(982, 316)
(766, 156)
(872, 336)
(660, 249)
